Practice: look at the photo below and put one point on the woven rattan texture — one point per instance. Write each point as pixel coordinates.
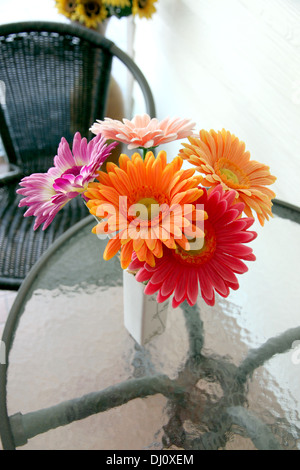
(20, 245)
(55, 84)
(50, 92)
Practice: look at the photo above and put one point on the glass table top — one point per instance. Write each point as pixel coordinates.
(207, 382)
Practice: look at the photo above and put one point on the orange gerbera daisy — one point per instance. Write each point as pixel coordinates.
(146, 204)
(222, 158)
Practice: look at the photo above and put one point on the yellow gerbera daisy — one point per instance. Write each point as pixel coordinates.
(118, 3)
(66, 7)
(147, 204)
(222, 158)
(90, 13)
(143, 8)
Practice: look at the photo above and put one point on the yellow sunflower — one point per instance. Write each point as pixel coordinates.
(66, 7)
(118, 3)
(90, 13)
(143, 8)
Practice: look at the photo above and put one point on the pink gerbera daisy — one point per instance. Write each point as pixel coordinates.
(211, 267)
(47, 193)
(143, 131)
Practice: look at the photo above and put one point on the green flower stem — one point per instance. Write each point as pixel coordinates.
(144, 153)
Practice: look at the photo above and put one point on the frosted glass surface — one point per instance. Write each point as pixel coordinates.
(71, 341)
(232, 64)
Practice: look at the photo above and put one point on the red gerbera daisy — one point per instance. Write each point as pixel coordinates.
(213, 266)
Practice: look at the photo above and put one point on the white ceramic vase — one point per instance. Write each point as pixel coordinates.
(144, 318)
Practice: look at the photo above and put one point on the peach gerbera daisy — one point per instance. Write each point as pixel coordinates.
(143, 131)
(222, 158)
(165, 192)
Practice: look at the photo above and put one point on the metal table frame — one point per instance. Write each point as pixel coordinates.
(17, 429)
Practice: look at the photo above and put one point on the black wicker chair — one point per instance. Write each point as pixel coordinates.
(56, 79)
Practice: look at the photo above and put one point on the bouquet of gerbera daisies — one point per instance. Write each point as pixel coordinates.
(91, 13)
(181, 232)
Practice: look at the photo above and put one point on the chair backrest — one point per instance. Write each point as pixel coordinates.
(56, 79)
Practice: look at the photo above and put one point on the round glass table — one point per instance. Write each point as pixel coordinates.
(223, 377)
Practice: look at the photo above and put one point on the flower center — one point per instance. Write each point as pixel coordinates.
(231, 174)
(92, 8)
(142, 3)
(201, 250)
(75, 171)
(149, 210)
(70, 5)
(145, 193)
